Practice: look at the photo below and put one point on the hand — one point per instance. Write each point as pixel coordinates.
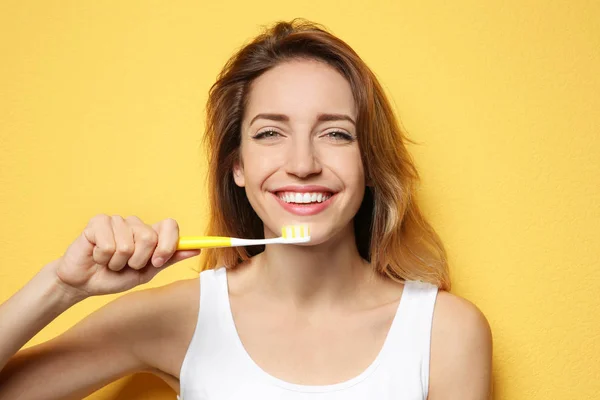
(113, 255)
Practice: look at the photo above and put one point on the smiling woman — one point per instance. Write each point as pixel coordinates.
(323, 104)
(299, 132)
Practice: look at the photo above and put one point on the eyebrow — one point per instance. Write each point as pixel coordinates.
(320, 118)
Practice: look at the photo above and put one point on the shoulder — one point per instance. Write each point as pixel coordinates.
(157, 305)
(155, 324)
(461, 350)
(456, 316)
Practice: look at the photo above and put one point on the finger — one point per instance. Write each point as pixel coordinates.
(168, 236)
(181, 255)
(99, 232)
(148, 273)
(124, 246)
(145, 240)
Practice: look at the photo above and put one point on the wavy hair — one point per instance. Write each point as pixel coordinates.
(390, 230)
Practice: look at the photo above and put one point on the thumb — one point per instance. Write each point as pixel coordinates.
(146, 274)
(180, 255)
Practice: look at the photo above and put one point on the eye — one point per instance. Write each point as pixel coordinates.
(266, 134)
(340, 136)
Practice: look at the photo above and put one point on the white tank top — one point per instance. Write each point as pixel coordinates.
(217, 367)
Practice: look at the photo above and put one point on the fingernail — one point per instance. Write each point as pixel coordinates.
(158, 261)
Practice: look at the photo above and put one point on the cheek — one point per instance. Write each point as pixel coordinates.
(259, 164)
(347, 165)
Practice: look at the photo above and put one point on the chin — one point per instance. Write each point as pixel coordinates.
(314, 241)
(319, 238)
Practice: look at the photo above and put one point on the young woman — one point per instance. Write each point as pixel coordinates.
(299, 131)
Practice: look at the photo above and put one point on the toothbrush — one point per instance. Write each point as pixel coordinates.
(289, 234)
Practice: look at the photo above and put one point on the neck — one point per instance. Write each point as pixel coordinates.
(327, 273)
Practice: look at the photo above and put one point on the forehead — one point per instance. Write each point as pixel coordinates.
(301, 88)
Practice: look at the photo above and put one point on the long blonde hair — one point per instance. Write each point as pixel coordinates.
(390, 229)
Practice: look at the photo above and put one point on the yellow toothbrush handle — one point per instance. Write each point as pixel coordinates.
(202, 242)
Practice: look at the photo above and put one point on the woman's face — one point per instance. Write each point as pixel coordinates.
(300, 160)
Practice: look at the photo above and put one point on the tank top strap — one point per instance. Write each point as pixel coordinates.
(211, 301)
(208, 341)
(214, 318)
(409, 343)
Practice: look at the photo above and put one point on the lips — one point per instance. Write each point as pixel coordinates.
(304, 200)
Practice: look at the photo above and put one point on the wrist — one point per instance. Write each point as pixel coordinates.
(56, 291)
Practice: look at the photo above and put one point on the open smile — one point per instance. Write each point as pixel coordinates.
(304, 201)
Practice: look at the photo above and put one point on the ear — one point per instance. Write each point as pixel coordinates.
(238, 173)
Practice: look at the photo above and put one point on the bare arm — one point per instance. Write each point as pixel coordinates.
(70, 366)
(461, 351)
(29, 310)
(112, 255)
(80, 361)
(146, 330)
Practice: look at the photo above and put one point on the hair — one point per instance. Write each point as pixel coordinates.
(390, 230)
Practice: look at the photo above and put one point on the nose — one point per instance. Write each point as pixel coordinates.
(302, 159)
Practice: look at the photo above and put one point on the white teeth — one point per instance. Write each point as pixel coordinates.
(303, 198)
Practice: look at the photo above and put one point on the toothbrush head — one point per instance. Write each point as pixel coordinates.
(295, 233)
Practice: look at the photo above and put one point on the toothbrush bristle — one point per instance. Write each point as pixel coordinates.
(295, 232)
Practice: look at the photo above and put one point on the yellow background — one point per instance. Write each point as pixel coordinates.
(101, 111)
